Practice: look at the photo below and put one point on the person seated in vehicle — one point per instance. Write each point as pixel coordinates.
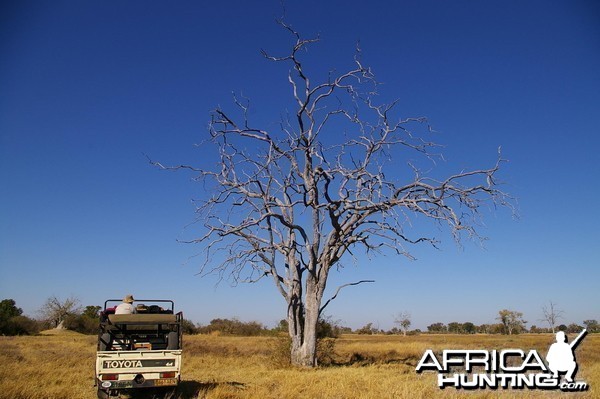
(126, 307)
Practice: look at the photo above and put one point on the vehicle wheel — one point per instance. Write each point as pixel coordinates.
(104, 343)
(102, 394)
(173, 341)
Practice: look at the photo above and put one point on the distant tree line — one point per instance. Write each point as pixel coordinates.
(69, 314)
(54, 313)
(326, 328)
(498, 328)
(509, 322)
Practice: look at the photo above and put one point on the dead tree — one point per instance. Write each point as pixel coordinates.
(289, 203)
(551, 315)
(403, 321)
(55, 311)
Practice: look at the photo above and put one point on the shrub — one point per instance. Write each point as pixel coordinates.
(12, 322)
(233, 327)
(83, 324)
(21, 325)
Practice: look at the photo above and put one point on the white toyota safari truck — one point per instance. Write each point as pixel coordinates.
(139, 351)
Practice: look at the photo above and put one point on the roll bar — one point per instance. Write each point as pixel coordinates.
(142, 301)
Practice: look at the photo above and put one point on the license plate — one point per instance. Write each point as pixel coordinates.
(165, 382)
(122, 384)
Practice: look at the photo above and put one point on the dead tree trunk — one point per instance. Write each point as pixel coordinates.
(303, 331)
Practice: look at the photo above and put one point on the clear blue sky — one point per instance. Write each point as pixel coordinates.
(87, 88)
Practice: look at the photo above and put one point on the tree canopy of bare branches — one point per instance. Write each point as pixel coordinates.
(289, 203)
(403, 319)
(55, 311)
(551, 315)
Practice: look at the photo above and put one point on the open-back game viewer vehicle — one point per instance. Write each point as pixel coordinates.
(141, 350)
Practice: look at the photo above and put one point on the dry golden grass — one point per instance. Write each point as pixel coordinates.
(219, 367)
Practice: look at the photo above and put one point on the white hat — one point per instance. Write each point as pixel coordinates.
(128, 299)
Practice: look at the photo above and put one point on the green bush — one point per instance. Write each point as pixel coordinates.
(12, 322)
(234, 327)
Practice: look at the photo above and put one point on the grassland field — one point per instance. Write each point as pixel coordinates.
(359, 366)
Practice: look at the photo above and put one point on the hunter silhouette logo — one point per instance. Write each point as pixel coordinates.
(561, 355)
(507, 368)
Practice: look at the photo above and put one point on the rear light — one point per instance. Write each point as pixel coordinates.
(110, 377)
(170, 374)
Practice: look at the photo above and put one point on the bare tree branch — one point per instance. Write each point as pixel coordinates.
(338, 291)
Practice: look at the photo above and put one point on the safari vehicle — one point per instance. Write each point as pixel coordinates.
(139, 351)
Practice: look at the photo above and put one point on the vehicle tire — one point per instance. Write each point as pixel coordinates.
(168, 393)
(104, 343)
(102, 394)
(173, 341)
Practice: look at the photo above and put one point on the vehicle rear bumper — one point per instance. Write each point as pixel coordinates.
(132, 384)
